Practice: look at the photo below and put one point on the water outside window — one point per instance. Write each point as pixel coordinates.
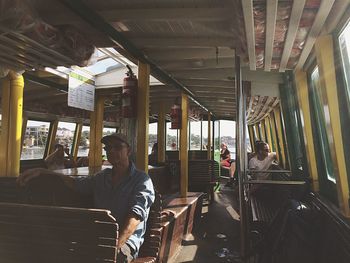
(84, 144)
(205, 135)
(228, 136)
(172, 141)
(195, 136)
(152, 135)
(320, 112)
(35, 139)
(65, 134)
(344, 42)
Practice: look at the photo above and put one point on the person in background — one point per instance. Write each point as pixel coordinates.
(262, 160)
(127, 192)
(153, 157)
(57, 159)
(226, 163)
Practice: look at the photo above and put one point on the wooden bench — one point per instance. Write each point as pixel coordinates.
(34, 233)
(273, 194)
(185, 216)
(203, 176)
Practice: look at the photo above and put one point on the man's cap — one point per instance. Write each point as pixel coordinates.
(119, 136)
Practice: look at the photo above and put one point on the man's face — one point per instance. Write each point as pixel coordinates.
(266, 150)
(117, 152)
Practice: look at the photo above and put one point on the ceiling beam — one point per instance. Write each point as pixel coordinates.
(187, 42)
(271, 14)
(150, 14)
(297, 11)
(207, 83)
(247, 6)
(190, 53)
(199, 63)
(95, 20)
(225, 73)
(320, 19)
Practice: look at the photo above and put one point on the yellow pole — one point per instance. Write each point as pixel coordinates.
(161, 133)
(5, 123)
(77, 137)
(274, 136)
(142, 117)
(11, 135)
(52, 136)
(209, 137)
(303, 96)
(184, 145)
(268, 132)
(96, 130)
(278, 120)
(325, 60)
(251, 137)
(262, 126)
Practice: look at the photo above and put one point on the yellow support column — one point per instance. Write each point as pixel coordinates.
(5, 111)
(325, 60)
(257, 131)
(278, 120)
(303, 96)
(251, 137)
(184, 146)
(96, 131)
(77, 137)
(268, 133)
(161, 133)
(262, 125)
(274, 136)
(52, 136)
(209, 137)
(142, 117)
(5, 122)
(11, 130)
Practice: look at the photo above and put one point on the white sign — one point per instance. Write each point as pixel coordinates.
(81, 91)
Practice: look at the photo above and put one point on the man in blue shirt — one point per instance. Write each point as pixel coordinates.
(127, 192)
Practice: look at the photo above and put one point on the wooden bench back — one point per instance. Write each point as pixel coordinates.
(149, 251)
(202, 171)
(33, 233)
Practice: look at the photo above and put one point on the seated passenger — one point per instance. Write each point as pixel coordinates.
(225, 162)
(153, 157)
(83, 161)
(127, 192)
(262, 160)
(57, 159)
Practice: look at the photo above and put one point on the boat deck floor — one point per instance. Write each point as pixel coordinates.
(217, 238)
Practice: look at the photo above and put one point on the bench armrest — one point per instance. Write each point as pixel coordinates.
(274, 182)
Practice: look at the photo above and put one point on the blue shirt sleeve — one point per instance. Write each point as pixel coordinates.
(143, 198)
(84, 185)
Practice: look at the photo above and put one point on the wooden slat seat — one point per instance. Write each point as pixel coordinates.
(184, 216)
(34, 233)
(203, 176)
(150, 249)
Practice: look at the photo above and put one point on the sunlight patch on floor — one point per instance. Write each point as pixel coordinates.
(232, 213)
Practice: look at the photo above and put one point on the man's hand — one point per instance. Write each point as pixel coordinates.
(25, 177)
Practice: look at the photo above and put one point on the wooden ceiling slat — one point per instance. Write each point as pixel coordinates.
(297, 11)
(315, 30)
(271, 14)
(250, 31)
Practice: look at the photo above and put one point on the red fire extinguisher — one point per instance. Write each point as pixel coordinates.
(175, 116)
(129, 95)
